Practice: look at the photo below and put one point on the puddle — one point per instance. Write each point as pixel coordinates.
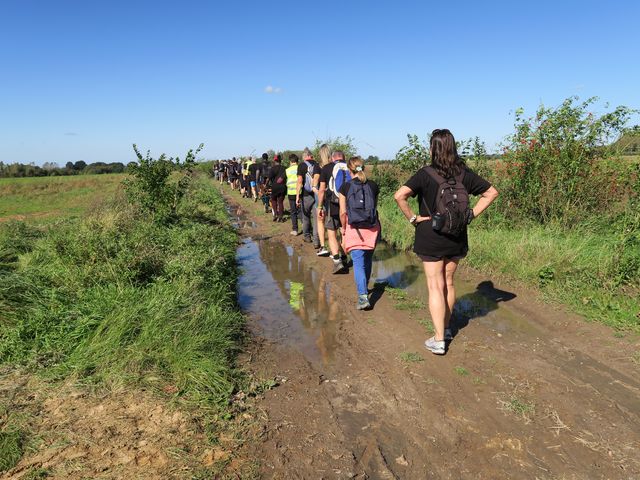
(475, 302)
(292, 304)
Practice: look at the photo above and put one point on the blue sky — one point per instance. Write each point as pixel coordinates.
(84, 80)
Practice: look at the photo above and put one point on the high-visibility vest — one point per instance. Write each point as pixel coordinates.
(292, 180)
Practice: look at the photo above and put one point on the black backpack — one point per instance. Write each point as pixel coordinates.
(361, 205)
(452, 203)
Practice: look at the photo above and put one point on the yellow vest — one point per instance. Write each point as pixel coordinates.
(292, 180)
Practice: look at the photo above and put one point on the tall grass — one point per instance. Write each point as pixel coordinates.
(119, 299)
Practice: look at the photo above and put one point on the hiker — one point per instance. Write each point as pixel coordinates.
(278, 183)
(443, 190)
(253, 173)
(233, 173)
(332, 177)
(360, 226)
(305, 199)
(292, 191)
(325, 159)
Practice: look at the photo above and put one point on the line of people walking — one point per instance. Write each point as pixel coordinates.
(333, 200)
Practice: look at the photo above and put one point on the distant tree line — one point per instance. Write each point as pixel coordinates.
(51, 169)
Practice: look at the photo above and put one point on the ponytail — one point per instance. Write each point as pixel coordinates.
(356, 166)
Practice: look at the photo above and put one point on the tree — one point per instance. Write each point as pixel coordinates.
(80, 165)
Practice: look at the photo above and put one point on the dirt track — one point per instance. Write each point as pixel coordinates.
(525, 390)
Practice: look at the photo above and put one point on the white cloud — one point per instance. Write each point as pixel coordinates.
(271, 89)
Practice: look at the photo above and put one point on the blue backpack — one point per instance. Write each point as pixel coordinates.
(361, 205)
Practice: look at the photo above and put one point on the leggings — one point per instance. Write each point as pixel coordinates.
(277, 204)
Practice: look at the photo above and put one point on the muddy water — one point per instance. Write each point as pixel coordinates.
(293, 304)
(475, 301)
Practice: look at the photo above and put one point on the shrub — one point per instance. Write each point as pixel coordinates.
(151, 185)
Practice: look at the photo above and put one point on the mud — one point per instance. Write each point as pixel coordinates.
(526, 390)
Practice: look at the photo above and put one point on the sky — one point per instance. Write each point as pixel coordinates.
(83, 80)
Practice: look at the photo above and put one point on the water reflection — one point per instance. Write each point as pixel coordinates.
(291, 303)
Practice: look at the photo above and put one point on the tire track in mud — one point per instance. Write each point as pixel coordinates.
(511, 399)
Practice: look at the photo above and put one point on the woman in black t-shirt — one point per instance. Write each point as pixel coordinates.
(278, 182)
(440, 253)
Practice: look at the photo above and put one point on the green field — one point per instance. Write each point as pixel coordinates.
(43, 199)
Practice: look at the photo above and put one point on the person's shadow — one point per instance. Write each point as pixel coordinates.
(477, 304)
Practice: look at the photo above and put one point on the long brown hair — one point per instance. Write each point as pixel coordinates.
(444, 154)
(353, 164)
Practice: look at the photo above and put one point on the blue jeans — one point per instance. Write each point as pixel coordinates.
(362, 263)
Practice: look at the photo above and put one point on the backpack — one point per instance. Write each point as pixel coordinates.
(339, 176)
(361, 205)
(452, 203)
(308, 178)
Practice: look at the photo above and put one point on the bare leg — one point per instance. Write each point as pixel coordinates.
(321, 228)
(450, 268)
(334, 246)
(434, 271)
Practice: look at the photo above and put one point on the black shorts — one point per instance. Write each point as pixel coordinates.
(429, 258)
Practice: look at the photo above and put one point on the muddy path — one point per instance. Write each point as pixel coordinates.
(525, 390)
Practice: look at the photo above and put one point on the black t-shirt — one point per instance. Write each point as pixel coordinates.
(325, 176)
(302, 172)
(344, 189)
(428, 241)
(278, 172)
(253, 168)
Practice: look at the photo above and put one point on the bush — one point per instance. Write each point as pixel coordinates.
(152, 186)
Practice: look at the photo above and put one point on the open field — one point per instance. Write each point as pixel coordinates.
(42, 199)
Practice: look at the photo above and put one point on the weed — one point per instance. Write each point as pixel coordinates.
(37, 474)
(635, 358)
(618, 334)
(519, 407)
(11, 448)
(427, 324)
(461, 371)
(478, 381)
(411, 357)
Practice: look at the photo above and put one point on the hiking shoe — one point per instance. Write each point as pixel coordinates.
(294, 233)
(363, 302)
(448, 335)
(323, 252)
(435, 346)
(339, 267)
(308, 239)
(255, 199)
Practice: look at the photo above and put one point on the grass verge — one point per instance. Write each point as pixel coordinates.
(117, 299)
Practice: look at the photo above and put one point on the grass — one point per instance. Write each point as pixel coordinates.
(519, 407)
(595, 274)
(11, 447)
(463, 372)
(411, 357)
(43, 199)
(116, 299)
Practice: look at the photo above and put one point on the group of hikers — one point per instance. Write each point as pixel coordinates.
(334, 199)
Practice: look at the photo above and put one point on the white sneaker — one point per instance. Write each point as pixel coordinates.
(435, 346)
(294, 233)
(448, 335)
(323, 252)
